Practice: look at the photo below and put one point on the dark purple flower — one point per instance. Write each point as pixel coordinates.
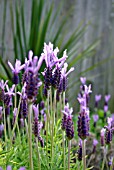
(2, 87)
(8, 96)
(67, 122)
(109, 130)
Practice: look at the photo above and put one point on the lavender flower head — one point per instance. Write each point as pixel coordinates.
(67, 123)
(31, 77)
(83, 118)
(16, 70)
(8, 96)
(2, 89)
(109, 130)
(102, 138)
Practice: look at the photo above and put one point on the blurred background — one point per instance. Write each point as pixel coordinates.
(84, 27)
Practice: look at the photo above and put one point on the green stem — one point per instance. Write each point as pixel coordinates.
(39, 164)
(63, 135)
(9, 126)
(69, 147)
(104, 158)
(84, 154)
(26, 125)
(47, 122)
(16, 120)
(30, 136)
(15, 98)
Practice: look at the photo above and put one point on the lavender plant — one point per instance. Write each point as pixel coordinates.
(45, 132)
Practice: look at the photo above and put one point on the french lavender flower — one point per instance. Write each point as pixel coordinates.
(8, 98)
(32, 81)
(64, 79)
(67, 123)
(97, 99)
(79, 152)
(42, 112)
(2, 90)
(95, 119)
(109, 131)
(83, 118)
(16, 70)
(102, 136)
(95, 142)
(24, 104)
(37, 126)
(14, 115)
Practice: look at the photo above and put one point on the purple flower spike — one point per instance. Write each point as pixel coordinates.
(67, 123)
(102, 134)
(107, 98)
(14, 114)
(109, 130)
(83, 80)
(2, 92)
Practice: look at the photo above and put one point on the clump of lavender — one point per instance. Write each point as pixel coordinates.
(67, 123)
(52, 73)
